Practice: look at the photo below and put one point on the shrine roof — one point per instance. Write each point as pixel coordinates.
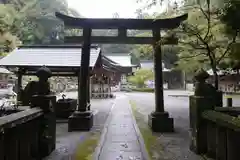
(123, 59)
(149, 64)
(55, 56)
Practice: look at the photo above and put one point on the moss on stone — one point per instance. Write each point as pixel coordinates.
(149, 138)
(86, 149)
(222, 119)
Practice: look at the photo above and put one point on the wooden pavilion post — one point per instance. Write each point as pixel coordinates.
(88, 92)
(109, 86)
(19, 84)
(82, 118)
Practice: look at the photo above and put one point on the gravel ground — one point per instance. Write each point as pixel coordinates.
(66, 142)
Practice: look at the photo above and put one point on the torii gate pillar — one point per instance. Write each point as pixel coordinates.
(159, 119)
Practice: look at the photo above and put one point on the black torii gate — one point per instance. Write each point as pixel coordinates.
(82, 119)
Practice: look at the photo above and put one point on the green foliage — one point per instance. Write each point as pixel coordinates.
(134, 59)
(140, 76)
(33, 21)
(230, 17)
(40, 25)
(7, 39)
(203, 42)
(169, 53)
(143, 52)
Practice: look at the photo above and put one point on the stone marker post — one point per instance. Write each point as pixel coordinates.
(46, 102)
(203, 99)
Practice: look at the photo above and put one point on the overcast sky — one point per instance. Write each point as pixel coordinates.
(105, 8)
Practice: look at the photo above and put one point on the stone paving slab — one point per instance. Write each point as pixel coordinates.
(123, 146)
(121, 141)
(122, 130)
(118, 155)
(122, 138)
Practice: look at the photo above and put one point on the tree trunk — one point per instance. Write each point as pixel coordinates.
(215, 77)
(213, 64)
(236, 88)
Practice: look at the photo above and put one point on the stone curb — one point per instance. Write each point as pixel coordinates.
(179, 95)
(98, 149)
(139, 136)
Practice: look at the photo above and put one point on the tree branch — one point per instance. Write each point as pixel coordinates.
(229, 46)
(203, 12)
(188, 57)
(203, 41)
(207, 15)
(194, 46)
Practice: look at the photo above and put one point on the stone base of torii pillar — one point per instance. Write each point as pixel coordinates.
(160, 122)
(80, 121)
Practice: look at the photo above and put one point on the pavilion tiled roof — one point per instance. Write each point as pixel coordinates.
(51, 57)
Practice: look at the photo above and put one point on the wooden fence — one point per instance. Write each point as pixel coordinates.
(19, 137)
(222, 134)
(215, 131)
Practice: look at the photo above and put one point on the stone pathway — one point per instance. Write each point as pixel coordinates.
(120, 140)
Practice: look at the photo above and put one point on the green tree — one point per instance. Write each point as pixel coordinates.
(145, 52)
(140, 77)
(202, 39)
(8, 41)
(230, 17)
(34, 21)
